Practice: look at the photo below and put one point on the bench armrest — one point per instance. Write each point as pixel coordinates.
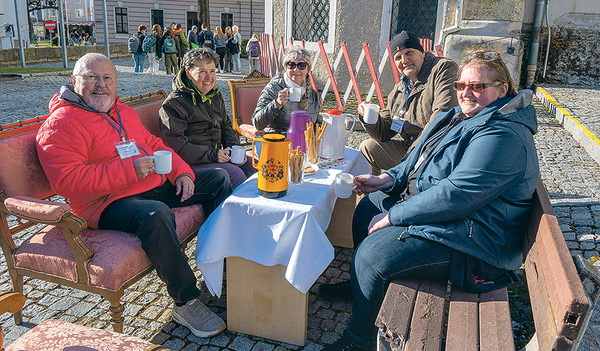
(36, 209)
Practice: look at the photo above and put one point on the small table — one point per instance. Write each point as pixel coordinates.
(275, 250)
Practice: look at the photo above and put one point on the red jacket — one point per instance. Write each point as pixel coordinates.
(76, 147)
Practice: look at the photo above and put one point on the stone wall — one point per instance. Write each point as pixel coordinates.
(10, 57)
(573, 57)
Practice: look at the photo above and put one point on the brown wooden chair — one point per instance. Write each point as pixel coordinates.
(54, 335)
(244, 95)
(58, 247)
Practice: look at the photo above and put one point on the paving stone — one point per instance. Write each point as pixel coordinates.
(241, 343)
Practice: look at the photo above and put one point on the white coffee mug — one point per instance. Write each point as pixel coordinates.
(162, 162)
(344, 183)
(371, 113)
(295, 94)
(237, 154)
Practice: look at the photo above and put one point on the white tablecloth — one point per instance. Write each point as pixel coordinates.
(289, 231)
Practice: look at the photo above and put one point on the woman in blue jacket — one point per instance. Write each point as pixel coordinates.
(457, 207)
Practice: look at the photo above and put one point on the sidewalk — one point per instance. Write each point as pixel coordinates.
(571, 176)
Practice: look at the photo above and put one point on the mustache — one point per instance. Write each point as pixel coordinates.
(99, 90)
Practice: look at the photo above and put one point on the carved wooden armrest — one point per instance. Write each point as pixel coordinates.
(250, 132)
(37, 210)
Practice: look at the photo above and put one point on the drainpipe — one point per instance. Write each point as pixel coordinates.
(534, 45)
(456, 27)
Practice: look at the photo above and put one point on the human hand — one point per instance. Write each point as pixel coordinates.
(361, 108)
(367, 183)
(223, 156)
(143, 166)
(380, 221)
(282, 97)
(184, 186)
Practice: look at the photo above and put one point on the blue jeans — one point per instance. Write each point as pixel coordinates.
(149, 217)
(237, 62)
(139, 60)
(381, 257)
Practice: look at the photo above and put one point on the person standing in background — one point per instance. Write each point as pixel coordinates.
(206, 38)
(183, 43)
(192, 38)
(170, 46)
(253, 50)
(139, 57)
(230, 49)
(155, 52)
(220, 46)
(237, 39)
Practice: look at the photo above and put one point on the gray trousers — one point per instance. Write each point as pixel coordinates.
(383, 155)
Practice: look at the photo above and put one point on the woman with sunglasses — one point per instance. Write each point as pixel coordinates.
(457, 207)
(273, 108)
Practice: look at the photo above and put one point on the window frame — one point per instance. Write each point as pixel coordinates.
(126, 26)
(162, 12)
(329, 44)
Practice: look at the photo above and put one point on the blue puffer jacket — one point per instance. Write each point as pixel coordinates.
(475, 189)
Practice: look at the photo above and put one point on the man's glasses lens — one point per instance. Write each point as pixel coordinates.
(93, 79)
(475, 87)
(300, 65)
(486, 55)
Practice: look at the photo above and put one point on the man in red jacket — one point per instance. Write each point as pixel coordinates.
(96, 153)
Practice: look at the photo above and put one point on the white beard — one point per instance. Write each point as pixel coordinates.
(101, 103)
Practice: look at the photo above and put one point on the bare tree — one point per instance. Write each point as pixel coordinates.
(204, 12)
(34, 5)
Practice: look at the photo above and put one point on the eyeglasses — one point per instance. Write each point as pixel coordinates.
(486, 55)
(94, 78)
(475, 87)
(300, 65)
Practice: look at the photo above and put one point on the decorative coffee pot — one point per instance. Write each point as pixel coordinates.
(272, 164)
(334, 139)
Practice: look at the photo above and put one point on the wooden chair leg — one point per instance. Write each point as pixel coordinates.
(17, 281)
(116, 312)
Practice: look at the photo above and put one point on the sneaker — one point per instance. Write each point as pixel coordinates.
(198, 318)
(343, 344)
(337, 291)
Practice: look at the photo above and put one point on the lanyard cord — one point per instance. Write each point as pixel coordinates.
(120, 129)
(406, 89)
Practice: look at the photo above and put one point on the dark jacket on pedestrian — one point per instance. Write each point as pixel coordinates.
(432, 93)
(141, 38)
(474, 189)
(196, 126)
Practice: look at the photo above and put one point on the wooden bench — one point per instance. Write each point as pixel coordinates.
(433, 315)
(63, 250)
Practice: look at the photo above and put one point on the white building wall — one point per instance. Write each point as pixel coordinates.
(9, 40)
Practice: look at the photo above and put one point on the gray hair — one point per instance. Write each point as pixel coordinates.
(86, 59)
(200, 54)
(295, 53)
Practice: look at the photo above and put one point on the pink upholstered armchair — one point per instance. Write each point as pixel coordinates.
(63, 250)
(54, 335)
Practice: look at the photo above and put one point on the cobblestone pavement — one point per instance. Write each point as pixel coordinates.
(571, 177)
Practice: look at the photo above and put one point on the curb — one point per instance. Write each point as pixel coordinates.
(585, 138)
(41, 74)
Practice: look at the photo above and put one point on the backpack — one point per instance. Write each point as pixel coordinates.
(169, 46)
(149, 44)
(254, 49)
(208, 39)
(133, 43)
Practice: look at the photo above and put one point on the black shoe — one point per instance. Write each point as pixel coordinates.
(337, 291)
(343, 344)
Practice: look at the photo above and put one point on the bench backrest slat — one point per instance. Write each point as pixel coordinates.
(558, 300)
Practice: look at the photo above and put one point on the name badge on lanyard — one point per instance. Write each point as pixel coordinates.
(397, 124)
(127, 148)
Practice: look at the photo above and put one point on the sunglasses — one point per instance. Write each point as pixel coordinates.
(486, 55)
(475, 87)
(300, 65)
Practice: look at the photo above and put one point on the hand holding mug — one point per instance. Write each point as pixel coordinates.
(223, 156)
(143, 166)
(282, 97)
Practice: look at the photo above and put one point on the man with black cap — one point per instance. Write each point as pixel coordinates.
(424, 90)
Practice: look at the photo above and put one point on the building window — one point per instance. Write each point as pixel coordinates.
(226, 20)
(192, 19)
(418, 16)
(156, 17)
(310, 20)
(121, 20)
